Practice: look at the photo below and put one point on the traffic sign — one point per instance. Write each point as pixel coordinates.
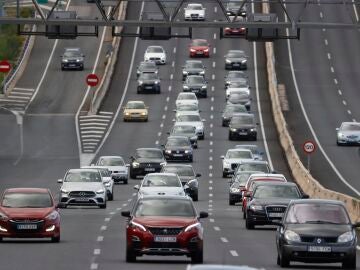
(309, 147)
(92, 80)
(4, 66)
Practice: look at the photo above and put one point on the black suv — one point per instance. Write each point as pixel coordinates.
(146, 160)
(146, 67)
(178, 148)
(148, 82)
(243, 126)
(196, 84)
(72, 58)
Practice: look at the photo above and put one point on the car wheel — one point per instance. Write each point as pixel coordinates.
(254, 138)
(244, 214)
(125, 182)
(230, 137)
(202, 137)
(111, 196)
(55, 239)
(132, 175)
(283, 260)
(349, 264)
(225, 174)
(195, 197)
(231, 202)
(103, 206)
(223, 124)
(197, 257)
(249, 225)
(278, 259)
(191, 159)
(130, 256)
(146, 120)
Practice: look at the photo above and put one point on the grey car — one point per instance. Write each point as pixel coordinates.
(243, 126)
(236, 76)
(188, 131)
(146, 67)
(72, 58)
(193, 67)
(241, 98)
(348, 134)
(148, 82)
(234, 8)
(196, 84)
(235, 59)
(229, 111)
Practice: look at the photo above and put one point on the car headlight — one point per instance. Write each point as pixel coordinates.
(346, 237)
(168, 151)
(255, 207)
(186, 87)
(65, 60)
(228, 61)
(107, 184)
(187, 151)
(135, 164)
(143, 113)
(162, 163)
(202, 72)
(157, 82)
(192, 50)
(196, 225)
(3, 216)
(185, 72)
(52, 216)
(100, 191)
(340, 135)
(204, 86)
(141, 82)
(206, 50)
(233, 129)
(235, 190)
(226, 164)
(291, 236)
(64, 191)
(243, 61)
(137, 226)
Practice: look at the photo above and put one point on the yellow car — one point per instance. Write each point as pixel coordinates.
(135, 111)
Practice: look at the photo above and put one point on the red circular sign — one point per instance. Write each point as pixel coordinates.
(309, 147)
(92, 80)
(4, 66)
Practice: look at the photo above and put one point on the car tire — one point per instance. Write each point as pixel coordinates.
(55, 239)
(102, 206)
(350, 263)
(191, 159)
(224, 175)
(138, 90)
(125, 182)
(230, 137)
(249, 225)
(130, 256)
(197, 257)
(231, 202)
(202, 137)
(195, 197)
(132, 175)
(61, 205)
(244, 214)
(283, 260)
(111, 196)
(254, 138)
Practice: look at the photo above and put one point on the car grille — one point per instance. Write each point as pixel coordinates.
(150, 165)
(234, 166)
(312, 239)
(25, 222)
(177, 151)
(154, 58)
(164, 231)
(275, 209)
(194, 15)
(165, 245)
(81, 194)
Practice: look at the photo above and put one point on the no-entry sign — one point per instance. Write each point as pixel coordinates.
(4, 66)
(309, 147)
(92, 80)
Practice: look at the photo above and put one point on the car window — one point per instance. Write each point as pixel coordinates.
(235, 109)
(180, 171)
(195, 7)
(115, 161)
(274, 191)
(84, 176)
(189, 118)
(199, 43)
(26, 200)
(188, 107)
(72, 54)
(350, 127)
(155, 50)
(239, 154)
(148, 153)
(177, 142)
(243, 120)
(195, 80)
(135, 105)
(161, 181)
(186, 96)
(148, 65)
(164, 207)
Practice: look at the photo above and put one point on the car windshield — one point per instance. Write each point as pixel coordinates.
(194, 65)
(189, 118)
(238, 154)
(195, 7)
(161, 181)
(184, 129)
(148, 76)
(242, 120)
(195, 80)
(186, 96)
(72, 54)
(236, 54)
(189, 107)
(238, 84)
(317, 213)
(235, 109)
(260, 167)
(155, 50)
(238, 96)
(165, 207)
(27, 200)
(199, 43)
(274, 191)
(180, 171)
(148, 65)
(243, 177)
(149, 153)
(83, 176)
(115, 161)
(253, 148)
(351, 127)
(135, 105)
(177, 142)
(233, 5)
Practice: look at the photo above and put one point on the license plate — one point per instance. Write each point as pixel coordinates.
(319, 249)
(178, 155)
(82, 199)
(278, 215)
(148, 87)
(199, 52)
(242, 133)
(26, 227)
(149, 169)
(236, 65)
(165, 239)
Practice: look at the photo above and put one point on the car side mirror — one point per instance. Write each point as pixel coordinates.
(59, 180)
(222, 157)
(203, 214)
(125, 213)
(356, 225)
(127, 165)
(337, 129)
(137, 187)
(276, 223)
(198, 175)
(305, 196)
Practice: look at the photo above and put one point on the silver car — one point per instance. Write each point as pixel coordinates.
(233, 158)
(106, 178)
(348, 133)
(256, 151)
(82, 187)
(193, 119)
(116, 165)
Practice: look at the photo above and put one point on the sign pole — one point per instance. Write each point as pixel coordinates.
(309, 147)
(308, 162)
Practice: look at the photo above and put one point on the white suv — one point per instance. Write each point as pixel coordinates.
(106, 179)
(156, 54)
(194, 12)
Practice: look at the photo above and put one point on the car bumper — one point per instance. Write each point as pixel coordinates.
(149, 88)
(135, 117)
(260, 218)
(235, 66)
(199, 54)
(157, 61)
(178, 157)
(72, 65)
(142, 171)
(93, 201)
(12, 232)
(249, 135)
(119, 177)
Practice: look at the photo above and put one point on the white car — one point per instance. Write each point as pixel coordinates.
(106, 178)
(184, 108)
(156, 54)
(237, 90)
(194, 12)
(186, 99)
(348, 133)
(82, 187)
(233, 158)
(161, 184)
(192, 119)
(256, 151)
(117, 167)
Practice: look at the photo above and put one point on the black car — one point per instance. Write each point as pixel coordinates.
(146, 67)
(243, 126)
(235, 193)
(229, 111)
(193, 67)
(316, 231)
(148, 82)
(187, 176)
(72, 58)
(234, 8)
(240, 98)
(235, 59)
(146, 160)
(268, 202)
(235, 76)
(187, 131)
(178, 148)
(196, 84)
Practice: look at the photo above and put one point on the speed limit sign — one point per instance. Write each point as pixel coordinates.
(309, 147)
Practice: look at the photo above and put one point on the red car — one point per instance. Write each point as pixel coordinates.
(164, 225)
(29, 213)
(229, 31)
(199, 48)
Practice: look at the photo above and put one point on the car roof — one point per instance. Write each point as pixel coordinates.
(238, 150)
(83, 170)
(155, 46)
(318, 201)
(110, 157)
(243, 114)
(148, 148)
(166, 197)
(220, 267)
(27, 190)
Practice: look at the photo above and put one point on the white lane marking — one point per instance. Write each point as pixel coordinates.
(161, 125)
(210, 201)
(355, 10)
(214, 64)
(107, 219)
(94, 266)
(349, 112)
(103, 228)
(164, 116)
(173, 63)
(234, 253)
(210, 175)
(210, 205)
(134, 194)
(171, 76)
(210, 181)
(210, 150)
(174, 50)
(332, 69)
(211, 134)
(210, 167)
(157, 142)
(215, 9)
(324, 30)
(335, 81)
(326, 42)
(212, 88)
(169, 88)
(321, 15)
(167, 99)
(342, 179)
(212, 220)
(211, 116)
(216, 228)
(211, 142)
(214, 50)
(159, 133)
(212, 99)
(129, 200)
(119, 208)
(344, 102)
(354, 120)
(210, 188)
(358, 247)
(100, 238)
(213, 77)
(214, 35)
(224, 240)
(24, 89)
(210, 194)
(339, 91)
(97, 251)
(329, 56)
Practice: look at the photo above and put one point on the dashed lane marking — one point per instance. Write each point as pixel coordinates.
(94, 266)
(344, 102)
(213, 77)
(173, 63)
(224, 240)
(335, 81)
(97, 251)
(171, 76)
(329, 56)
(210, 175)
(349, 112)
(210, 188)
(169, 88)
(214, 35)
(210, 167)
(215, 9)
(107, 219)
(210, 194)
(321, 15)
(100, 238)
(326, 42)
(103, 228)
(216, 228)
(174, 50)
(234, 253)
(212, 88)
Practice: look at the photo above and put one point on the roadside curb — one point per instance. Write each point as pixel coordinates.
(301, 175)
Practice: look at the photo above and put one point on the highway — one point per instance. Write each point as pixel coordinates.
(94, 238)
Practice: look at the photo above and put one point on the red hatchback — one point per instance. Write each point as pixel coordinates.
(199, 48)
(164, 225)
(29, 213)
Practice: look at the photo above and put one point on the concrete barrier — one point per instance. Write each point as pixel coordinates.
(301, 175)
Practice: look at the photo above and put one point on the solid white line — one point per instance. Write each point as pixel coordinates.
(234, 253)
(342, 179)
(97, 251)
(171, 76)
(92, 132)
(102, 112)
(93, 124)
(174, 50)
(224, 240)
(92, 128)
(356, 13)
(95, 117)
(258, 102)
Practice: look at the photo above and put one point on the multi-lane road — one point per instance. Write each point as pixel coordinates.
(94, 238)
